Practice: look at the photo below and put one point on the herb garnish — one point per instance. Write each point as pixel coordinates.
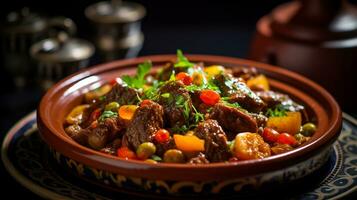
(138, 80)
(181, 102)
(182, 61)
(156, 158)
(278, 111)
(107, 114)
(234, 105)
(198, 117)
(166, 95)
(181, 129)
(209, 85)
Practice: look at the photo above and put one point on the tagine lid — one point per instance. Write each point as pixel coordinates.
(62, 49)
(313, 20)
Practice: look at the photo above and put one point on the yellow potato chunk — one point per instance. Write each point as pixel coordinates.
(213, 70)
(258, 82)
(290, 123)
(76, 114)
(250, 146)
(95, 94)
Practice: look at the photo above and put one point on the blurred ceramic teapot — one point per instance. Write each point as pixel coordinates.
(116, 28)
(18, 31)
(59, 56)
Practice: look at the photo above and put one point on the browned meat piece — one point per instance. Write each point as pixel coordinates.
(272, 99)
(122, 94)
(245, 73)
(199, 159)
(216, 148)
(112, 147)
(239, 92)
(77, 133)
(104, 133)
(146, 121)
(233, 120)
(260, 119)
(177, 105)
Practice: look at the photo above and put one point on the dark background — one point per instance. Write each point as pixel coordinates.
(195, 26)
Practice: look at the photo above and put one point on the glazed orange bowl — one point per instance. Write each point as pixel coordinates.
(117, 173)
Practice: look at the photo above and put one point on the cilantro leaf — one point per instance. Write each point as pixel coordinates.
(181, 129)
(198, 117)
(138, 80)
(234, 105)
(209, 85)
(182, 61)
(172, 76)
(278, 111)
(166, 95)
(107, 114)
(156, 158)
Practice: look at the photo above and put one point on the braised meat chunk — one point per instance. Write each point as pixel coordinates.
(245, 72)
(104, 133)
(146, 121)
(199, 159)
(216, 148)
(78, 134)
(238, 91)
(272, 99)
(122, 94)
(233, 120)
(176, 102)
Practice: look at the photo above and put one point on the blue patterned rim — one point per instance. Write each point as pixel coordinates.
(25, 157)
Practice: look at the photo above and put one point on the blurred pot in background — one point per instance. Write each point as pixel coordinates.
(317, 38)
(18, 31)
(58, 57)
(116, 28)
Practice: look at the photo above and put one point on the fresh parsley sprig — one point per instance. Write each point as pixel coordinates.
(138, 80)
(182, 61)
(107, 114)
(278, 111)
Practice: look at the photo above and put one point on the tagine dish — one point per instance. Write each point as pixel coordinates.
(188, 112)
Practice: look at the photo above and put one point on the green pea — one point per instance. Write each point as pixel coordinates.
(112, 106)
(145, 150)
(174, 156)
(308, 129)
(299, 137)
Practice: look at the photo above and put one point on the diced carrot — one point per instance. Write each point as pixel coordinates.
(126, 153)
(127, 111)
(189, 143)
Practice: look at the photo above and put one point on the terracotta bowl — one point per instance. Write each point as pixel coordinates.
(116, 173)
